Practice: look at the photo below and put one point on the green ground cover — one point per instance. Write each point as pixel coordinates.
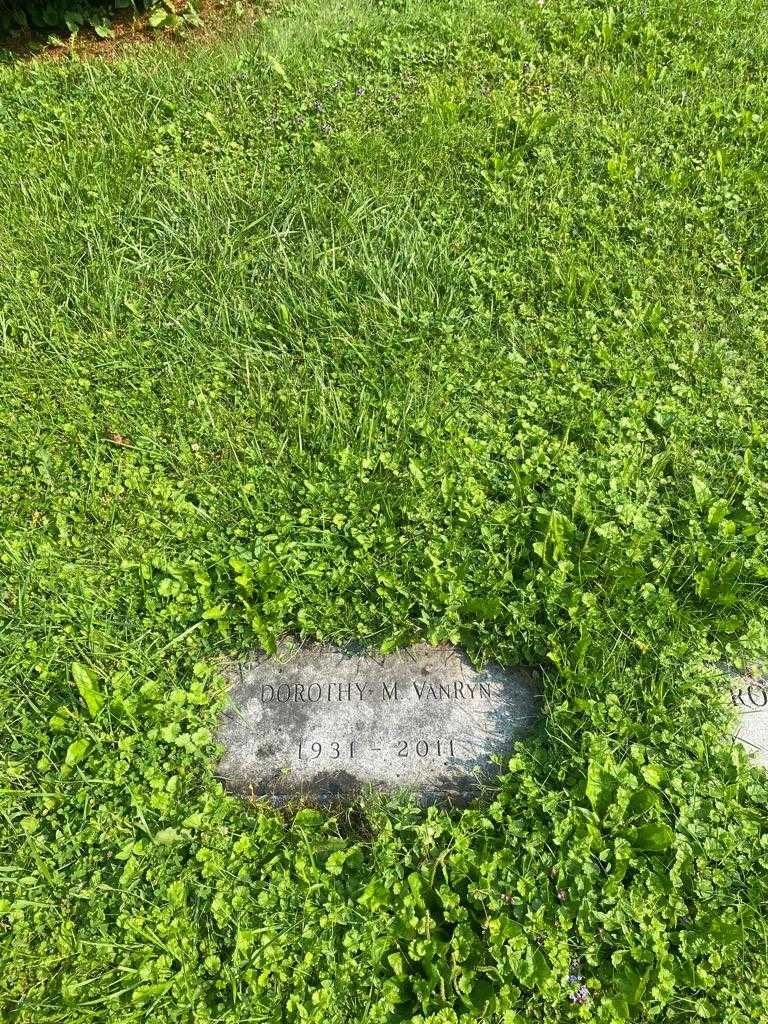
(404, 321)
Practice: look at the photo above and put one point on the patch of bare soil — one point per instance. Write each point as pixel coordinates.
(130, 28)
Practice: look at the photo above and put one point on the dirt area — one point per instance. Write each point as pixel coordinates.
(210, 19)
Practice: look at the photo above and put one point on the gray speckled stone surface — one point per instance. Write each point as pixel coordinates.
(749, 695)
(320, 724)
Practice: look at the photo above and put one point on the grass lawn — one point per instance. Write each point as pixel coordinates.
(389, 321)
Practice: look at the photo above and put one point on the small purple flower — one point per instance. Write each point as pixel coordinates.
(319, 107)
(526, 67)
(338, 83)
(326, 128)
(562, 895)
(573, 978)
(580, 996)
(360, 91)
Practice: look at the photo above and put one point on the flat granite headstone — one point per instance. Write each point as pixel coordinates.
(749, 695)
(319, 723)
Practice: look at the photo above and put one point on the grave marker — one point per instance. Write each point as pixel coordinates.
(321, 724)
(749, 695)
